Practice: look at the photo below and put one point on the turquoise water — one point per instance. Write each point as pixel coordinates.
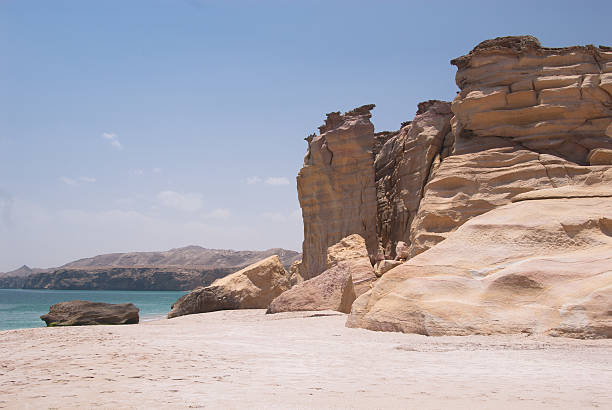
(21, 308)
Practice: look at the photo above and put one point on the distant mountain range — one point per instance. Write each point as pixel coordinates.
(175, 269)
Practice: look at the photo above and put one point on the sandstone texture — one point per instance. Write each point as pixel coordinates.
(353, 252)
(529, 125)
(253, 287)
(331, 290)
(550, 100)
(336, 186)
(536, 266)
(82, 312)
(403, 166)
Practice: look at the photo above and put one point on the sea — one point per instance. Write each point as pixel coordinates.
(22, 308)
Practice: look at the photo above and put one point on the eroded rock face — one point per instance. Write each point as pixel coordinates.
(83, 312)
(336, 186)
(403, 166)
(537, 266)
(550, 100)
(253, 287)
(468, 185)
(353, 252)
(331, 290)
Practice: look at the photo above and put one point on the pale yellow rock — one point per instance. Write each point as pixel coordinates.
(541, 266)
(336, 187)
(352, 251)
(569, 90)
(600, 156)
(470, 184)
(253, 287)
(385, 266)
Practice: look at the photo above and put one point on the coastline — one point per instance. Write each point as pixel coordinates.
(294, 360)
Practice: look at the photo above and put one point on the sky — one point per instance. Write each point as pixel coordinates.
(150, 125)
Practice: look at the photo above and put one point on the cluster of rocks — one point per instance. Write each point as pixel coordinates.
(499, 201)
(488, 215)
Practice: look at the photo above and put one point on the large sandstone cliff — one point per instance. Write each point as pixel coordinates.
(336, 186)
(528, 120)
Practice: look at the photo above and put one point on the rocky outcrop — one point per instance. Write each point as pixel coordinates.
(554, 101)
(536, 266)
(349, 274)
(331, 290)
(352, 250)
(467, 185)
(125, 278)
(403, 166)
(82, 312)
(253, 287)
(336, 186)
(194, 256)
(176, 269)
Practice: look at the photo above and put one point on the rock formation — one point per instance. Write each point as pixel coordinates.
(540, 265)
(403, 166)
(554, 101)
(530, 124)
(331, 290)
(336, 186)
(253, 287)
(349, 274)
(352, 250)
(82, 312)
(176, 269)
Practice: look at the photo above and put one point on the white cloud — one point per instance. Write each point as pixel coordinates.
(277, 181)
(157, 171)
(219, 213)
(77, 181)
(138, 172)
(189, 202)
(113, 139)
(253, 180)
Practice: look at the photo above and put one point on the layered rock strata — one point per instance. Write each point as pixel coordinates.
(541, 265)
(550, 100)
(336, 186)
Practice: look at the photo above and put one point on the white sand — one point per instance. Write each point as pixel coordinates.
(245, 359)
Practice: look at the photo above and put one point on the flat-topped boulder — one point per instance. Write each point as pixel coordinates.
(253, 287)
(83, 312)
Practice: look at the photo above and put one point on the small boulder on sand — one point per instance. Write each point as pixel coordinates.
(83, 312)
(253, 287)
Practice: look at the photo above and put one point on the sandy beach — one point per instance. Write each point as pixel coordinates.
(238, 359)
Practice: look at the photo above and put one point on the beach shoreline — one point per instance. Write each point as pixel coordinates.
(230, 359)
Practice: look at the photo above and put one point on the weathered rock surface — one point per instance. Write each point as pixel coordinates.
(331, 290)
(537, 266)
(467, 185)
(352, 251)
(550, 100)
(82, 312)
(336, 186)
(385, 266)
(600, 156)
(253, 287)
(403, 166)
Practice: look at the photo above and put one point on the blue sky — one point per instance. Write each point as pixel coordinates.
(147, 125)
